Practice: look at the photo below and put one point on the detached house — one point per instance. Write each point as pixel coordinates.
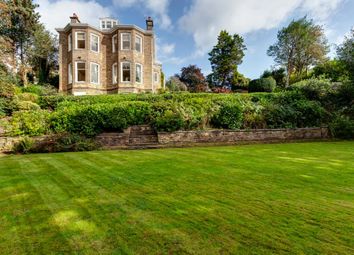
(114, 58)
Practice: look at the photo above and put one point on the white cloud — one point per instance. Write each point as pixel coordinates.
(158, 8)
(206, 18)
(56, 14)
(168, 49)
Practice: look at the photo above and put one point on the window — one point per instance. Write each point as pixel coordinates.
(156, 77)
(95, 39)
(125, 72)
(103, 24)
(94, 73)
(138, 43)
(70, 42)
(70, 73)
(114, 43)
(138, 73)
(80, 40)
(126, 41)
(115, 73)
(80, 72)
(109, 24)
(114, 23)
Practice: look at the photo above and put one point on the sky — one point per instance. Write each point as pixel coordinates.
(186, 30)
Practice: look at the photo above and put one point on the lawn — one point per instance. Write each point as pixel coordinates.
(253, 199)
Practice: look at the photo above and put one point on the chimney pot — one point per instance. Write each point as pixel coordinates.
(74, 18)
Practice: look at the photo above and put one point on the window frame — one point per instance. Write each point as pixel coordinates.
(114, 49)
(103, 24)
(115, 75)
(98, 73)
(98, 42)
(122, 42)
(141, 43)
(70, 73)
(76, 40)
(70, 42)
(156, 75)
(130, 72)
(141, 73)
(77, 72)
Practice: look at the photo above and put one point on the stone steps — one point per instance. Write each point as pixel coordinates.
(142, 136)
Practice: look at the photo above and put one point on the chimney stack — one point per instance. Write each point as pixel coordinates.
(149, 24)
(74, 19)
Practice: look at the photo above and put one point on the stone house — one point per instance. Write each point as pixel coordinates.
(114, 58)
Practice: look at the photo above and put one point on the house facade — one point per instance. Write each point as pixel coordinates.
(114, 58)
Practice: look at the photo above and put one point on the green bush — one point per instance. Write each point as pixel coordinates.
(28, 97)
(25, 106)
(166, 116)
(229, 116)
(313, 89)
(7, 88)
(31, 123)
(342, 127)
(24, 146)
(262, 85)
(40, 90)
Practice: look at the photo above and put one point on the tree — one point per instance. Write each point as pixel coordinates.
(175, 84)
(334, 70)
(193, 77)
(278, 74)
(18, 28)
(300, 45)
(43, 53)
(225, 57)
(345, 53)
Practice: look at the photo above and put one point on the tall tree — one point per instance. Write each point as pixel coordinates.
(18, 27)
(300, 45)
(224, 58)
(345, 53)
(193, 77)
(43, 53)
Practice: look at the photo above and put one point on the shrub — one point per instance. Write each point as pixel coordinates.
(166, 116)
(262, 85)
(229, 116)
(342, 127)
(313, 89)
(40, 90)
(7, 88)
(29, 123)
(25, 106)
(24, 146)
(28, 97)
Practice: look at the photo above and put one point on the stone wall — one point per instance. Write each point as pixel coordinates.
(230, 137)
(145, 137)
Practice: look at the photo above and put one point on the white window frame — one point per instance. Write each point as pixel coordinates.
(70, 73)
(113, 44)
(76, 72)
(98, 42)
(76, 40)
(70, 42)
(141, 43)
(130, 71)
(115, 75)
(141, 74)
(110, 24)
(98, 73)
(122, 42)
(103, 24)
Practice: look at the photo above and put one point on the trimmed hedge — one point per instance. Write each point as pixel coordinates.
(262, 85)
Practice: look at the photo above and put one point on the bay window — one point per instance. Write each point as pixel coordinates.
(70, 42)
(94, 73)
(126, 40)
(139, 44)
(94, 40)
(80, 40)
(114, 43)
(125, 72)
(138, 73)
(70, 74)
(80, 72)
(115, 73)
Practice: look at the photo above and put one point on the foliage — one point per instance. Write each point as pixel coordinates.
(313, 89)
(25, 106)
(342, 127)
(279, 76)
(239, 82)
(345, 53)
(174, 84)
(28, 97)
(40, 90)
(300, 45)
(225, 57)
(229, 116)
(262, 85)
(334, 70)
(166, 117)
(193, 77)
(31, 123)
(24, 146)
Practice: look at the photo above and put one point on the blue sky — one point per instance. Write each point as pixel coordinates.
(186, 30)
